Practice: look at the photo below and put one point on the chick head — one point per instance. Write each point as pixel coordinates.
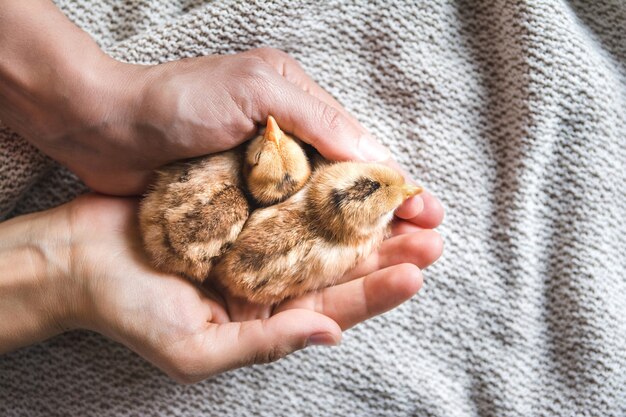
(276, 166)
(355, 198)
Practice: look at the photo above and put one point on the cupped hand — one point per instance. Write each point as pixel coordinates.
(134, 119)
(192, 333)
(146, 116)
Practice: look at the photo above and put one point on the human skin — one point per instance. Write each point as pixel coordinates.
(113, 123)
(81, 265)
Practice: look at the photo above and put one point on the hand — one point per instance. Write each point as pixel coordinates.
(173, 324)
(113, 123)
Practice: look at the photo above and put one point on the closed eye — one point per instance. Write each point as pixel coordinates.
(257, 157)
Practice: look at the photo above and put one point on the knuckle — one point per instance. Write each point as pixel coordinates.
(330, 117)
(256, 82)
(270, 355)
(256, 71)
(276, 58)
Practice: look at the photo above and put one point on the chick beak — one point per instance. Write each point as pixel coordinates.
(273, 132)
(410, 190)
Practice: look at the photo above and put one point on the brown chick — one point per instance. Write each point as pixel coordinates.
(275, 166)
(310, 240)
(195, 210)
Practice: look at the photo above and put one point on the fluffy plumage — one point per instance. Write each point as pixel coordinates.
(314, 237)
(276, 166)
(195, 210)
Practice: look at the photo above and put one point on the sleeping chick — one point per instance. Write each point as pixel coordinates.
(276, 166)
(195, 210)
(314, 237)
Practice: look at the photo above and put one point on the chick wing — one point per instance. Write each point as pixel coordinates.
(193, 212)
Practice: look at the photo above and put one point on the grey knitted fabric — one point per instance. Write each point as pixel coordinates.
(513, 113)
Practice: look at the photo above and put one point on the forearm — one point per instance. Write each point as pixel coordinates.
(43, 60)
(35, 303)
(55, 82)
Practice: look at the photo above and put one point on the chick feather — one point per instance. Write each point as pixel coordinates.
(311, 239)
(275, 167)
(192, 212)
(195, 210)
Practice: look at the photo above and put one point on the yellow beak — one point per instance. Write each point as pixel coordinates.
(410, 190)
(272, 131)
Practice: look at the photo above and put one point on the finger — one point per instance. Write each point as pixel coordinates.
(421, 248)
(355, 301)
(431, 215)
(293, 72)
(219, 315)
(401, 227)
(317, 123)
(233, 345)
(410, 208)
(425, 214)
(241, 309)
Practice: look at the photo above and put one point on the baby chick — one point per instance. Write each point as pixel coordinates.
(314, 237)
(195, 210)
(275, 166)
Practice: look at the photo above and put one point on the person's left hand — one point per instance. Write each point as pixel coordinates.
(190, 335)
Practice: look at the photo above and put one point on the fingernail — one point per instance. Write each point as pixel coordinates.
(370, 149)
(321, 339)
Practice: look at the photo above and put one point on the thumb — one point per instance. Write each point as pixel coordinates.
(326, 128)
(261, 341)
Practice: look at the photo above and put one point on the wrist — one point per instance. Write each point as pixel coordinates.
(66, 96)
(62, 92)
(38, 70)
(37, 300)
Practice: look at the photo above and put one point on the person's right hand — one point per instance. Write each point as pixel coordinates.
(113, 123)
(129, 119)
(153, 115)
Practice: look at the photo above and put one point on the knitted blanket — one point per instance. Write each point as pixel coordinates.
(512, 112)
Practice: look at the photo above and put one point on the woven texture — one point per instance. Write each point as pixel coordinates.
(513, 113)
